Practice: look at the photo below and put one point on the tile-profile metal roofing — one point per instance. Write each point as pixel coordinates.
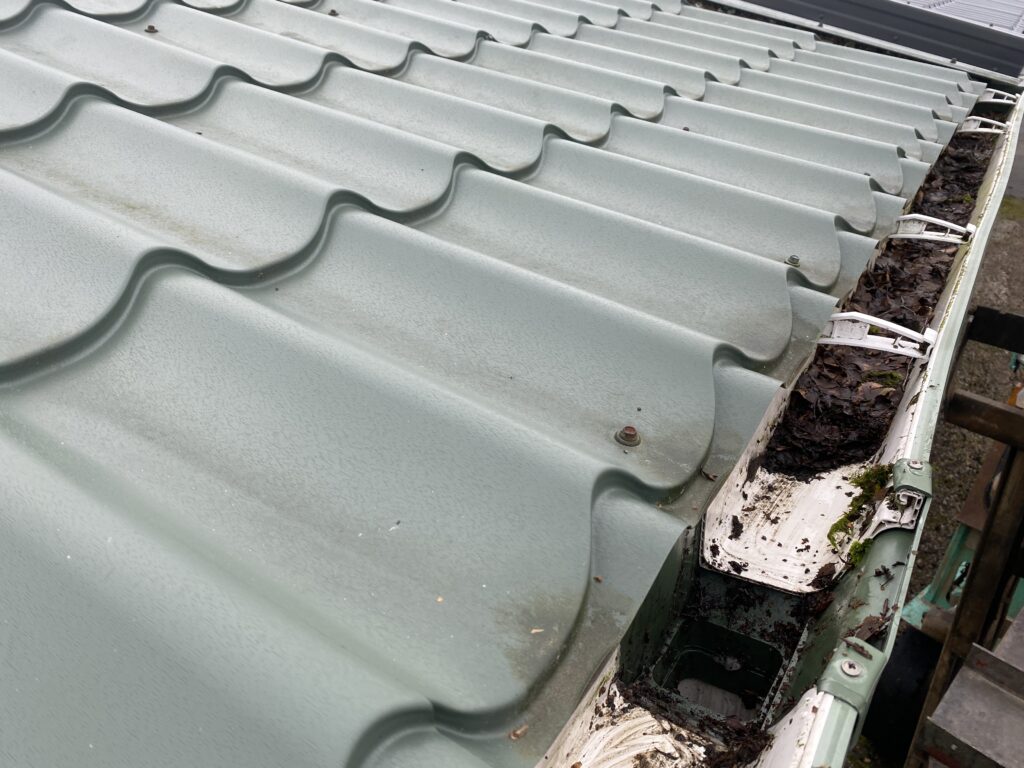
(317, 323)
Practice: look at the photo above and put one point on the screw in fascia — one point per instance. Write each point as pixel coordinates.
(851, 668)
(628, 436)
(793, 260)
(915, 464)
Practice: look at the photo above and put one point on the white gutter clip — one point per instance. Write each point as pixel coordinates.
(853, 329)
(974, 124)
(995, 96)
(916, 226)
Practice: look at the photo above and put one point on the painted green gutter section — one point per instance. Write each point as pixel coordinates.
(854, 695)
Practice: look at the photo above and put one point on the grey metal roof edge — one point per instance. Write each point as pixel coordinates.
(773, 14)
(921, 28)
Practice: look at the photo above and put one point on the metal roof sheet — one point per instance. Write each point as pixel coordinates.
(1007, 15)
(980, 36)
(317, 325)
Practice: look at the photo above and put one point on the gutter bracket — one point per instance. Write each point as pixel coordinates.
(995, 96)
(853, 683)
(981, 125)
(853, 329)
(911, 489)
(916, 226)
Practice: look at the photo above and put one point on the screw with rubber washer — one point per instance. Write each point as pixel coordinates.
(628, 436)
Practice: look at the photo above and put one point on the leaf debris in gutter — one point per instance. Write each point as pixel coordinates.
(842, 405)
(873, 626)
(840, 410)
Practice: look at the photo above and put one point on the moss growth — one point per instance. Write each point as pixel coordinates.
(885, 378)
(1012, 208)
(968, 198)
(871, 482)
(857, 551)
(842, 526)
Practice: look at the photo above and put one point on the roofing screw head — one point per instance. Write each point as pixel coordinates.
(151, 29)
(793, 260)
(628, 436)
(851, 668)
(915, 464)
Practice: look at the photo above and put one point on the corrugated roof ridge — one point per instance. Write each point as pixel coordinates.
(204, 96)
(404, 66)
(222, 269)
(447, 188)
(619, 57)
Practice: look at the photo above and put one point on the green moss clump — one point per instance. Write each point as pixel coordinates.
(857, 551)
(968, 198)
(885, 378)
(871, 482)
(842, 526)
